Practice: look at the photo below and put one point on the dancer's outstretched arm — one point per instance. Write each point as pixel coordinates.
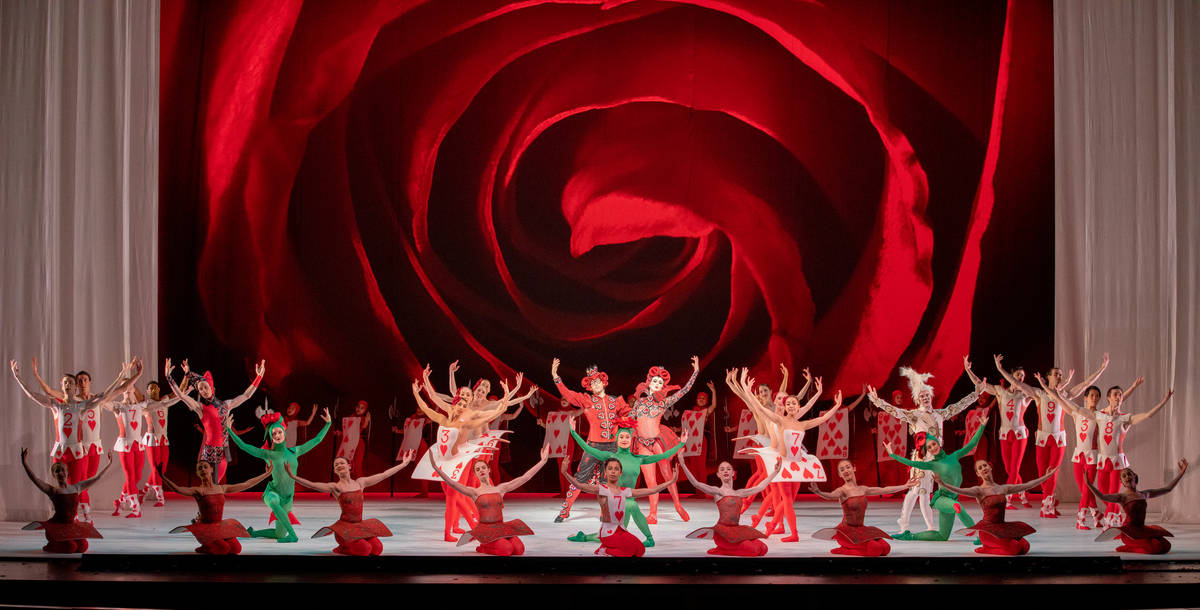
(673, 398)
(836, 495)
(45, 487)
(190, 402)
(1101, 495)
(641, 493)
(45, 386)
(46, 400)
(751, 491)
(650, 459)
(248, 483)
(883, 491)
(1028, 485)
(784, 383)
(824, 417)
(257, 452)
(1021, 386)
(965, 449)
(260, 369)
(316, 440)
(1067, 404)
(1141, 417)
(470, 492)
(701, 487)
(516, 483)
(321, 487)
(808, 381)
(374, 479)
(1078, 388)
(812, 401)
(1154, 493)
(437, 418)
(183, 491)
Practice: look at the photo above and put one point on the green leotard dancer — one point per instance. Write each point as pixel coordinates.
(631, 469)
(282, 488)
(946, 466)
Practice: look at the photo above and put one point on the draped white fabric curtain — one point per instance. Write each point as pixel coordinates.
(78, 212)
(1127, 148)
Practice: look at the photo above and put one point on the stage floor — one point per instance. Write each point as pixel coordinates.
(417, 527)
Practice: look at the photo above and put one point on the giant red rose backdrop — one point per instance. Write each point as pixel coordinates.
(351, 190)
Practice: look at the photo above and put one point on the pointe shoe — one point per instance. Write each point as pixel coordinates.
(1048, 511)
(683, 514)
(792, 538)
(652, 519)
(649, 542)
(117, 506)
(1025, 500)
(450, 538)
(755, 520)
(458, 530)
(562, 515)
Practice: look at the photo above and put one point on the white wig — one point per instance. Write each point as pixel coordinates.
(917, 383)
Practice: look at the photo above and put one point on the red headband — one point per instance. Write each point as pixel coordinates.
(593, 372)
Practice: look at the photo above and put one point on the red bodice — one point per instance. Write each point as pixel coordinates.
(66, 505)
(212, 507)
(993, 520)
(491, 522)
(351, 503)
(491, 508)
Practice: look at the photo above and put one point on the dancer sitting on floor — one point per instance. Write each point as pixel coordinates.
(354, 535)
(997, 536)
(1135, 534)
(730, 536)
(495, 535)
(615, 540)
(631, 467)
(946, 466)
(63, 534)
(282, 488)
(216, 535)
(852, 536)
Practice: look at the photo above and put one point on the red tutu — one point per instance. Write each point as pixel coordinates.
(728, 526)
(851, 527)
(491, 525)
(993, 521)
(352, 526)
(61, 526)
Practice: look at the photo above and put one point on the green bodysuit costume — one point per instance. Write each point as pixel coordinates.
(281, 489)
(631, 470)
(946, 466)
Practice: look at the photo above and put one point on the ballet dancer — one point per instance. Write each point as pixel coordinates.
(350, 437)
(281, 490)
(495, 535)
(729, 535)
(947, 467)
(354, 535)
(1014, 436)
(706, 403)
(615, 540)
(601, 411)
(157, 445)
(997, 536)
(63, 533)
(1135, 534)
(1051, 437)
(213, 411)
(852, 536)
(216, 535)
(653, 438)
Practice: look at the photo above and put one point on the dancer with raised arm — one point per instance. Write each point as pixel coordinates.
(350, 437)
(216, 535)
(495, 535)
(946, 466)
(213, 411)
(615, 540)
(63, 533)
(76, 428)
(158, 447)
(601, 411)
(799, 465)
(1112, 425)
(282, 489)
(1051, 438)
(729, 535)
(924, 418)
(1134, 533)
(706, 403)
(631, 466)
(652, 437)
(354, 535)
(1014, 436)
(128, 413)
(852, 536)
(997, 536)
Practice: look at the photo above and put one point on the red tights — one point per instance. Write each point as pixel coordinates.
(1084, 471)
(1049, 455)
(503, 547)
(870, 548)
(621, 544)
(784, 509)
(1109, 481)
(1146, 546)
(457, 505)
(1012, 450)
(228, 546)
(745, 548)
(67, 546)
(157, 456)
(756, 476)
(1001, 546)
(131, 464)
(358, 548)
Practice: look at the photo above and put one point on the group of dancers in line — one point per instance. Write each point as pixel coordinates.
(625, 442)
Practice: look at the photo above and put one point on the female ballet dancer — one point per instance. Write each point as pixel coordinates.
(631, 466)
(216, 535)
(282, 489)
(63, 533)
(730, 536)
(800, 466)
(601, 411)
(1051, 438)
(946, 466)
(495, 535)
(770, 498)
(354, 535)
(922, 418)
(852, 536)
(1135, 534)
(158, 447)
(1013, 434)
(997, 536)
(77, 437)
(213, 411)
(615, 540)
(653, 438)
(1112, 424)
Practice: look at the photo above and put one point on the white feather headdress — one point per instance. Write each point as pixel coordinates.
(917, 382)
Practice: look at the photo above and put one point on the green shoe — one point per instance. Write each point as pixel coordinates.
(578, 537)
(268, 533)
(649, 542)
(905, 535)
(977, 541)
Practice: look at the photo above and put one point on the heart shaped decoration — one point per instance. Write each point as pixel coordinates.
(556, 433)
(620, 515)
(92, 424)
(794, 450)
(1082, 437)
(443, 449)
(838, 434)
(785, 474)
(1108, 439)
(162, 422)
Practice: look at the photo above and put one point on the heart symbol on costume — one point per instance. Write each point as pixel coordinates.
(556, 433)
(784, 474)
(1108, 439)
(92, 424)
(443, 448)
(162, 422)
(1082, 437)
(133, 424)
(794, 450)
(620, 515)
(838, 435)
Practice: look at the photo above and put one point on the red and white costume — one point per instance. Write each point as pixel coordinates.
(601, 414)
(615, 540)
(63, 533)
(158, 448)
(1051, 444)
(130, 433)
(1083, 462)
(1110, 460)
(352, 448)
(91, 448)
(1014, 436)
(456, 466)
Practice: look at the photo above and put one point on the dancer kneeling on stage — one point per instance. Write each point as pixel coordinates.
(946, 466)
(853, 537)
(216, 535)
(1135, 534)
(615, 540)
(495, 535)
(354, 535)
(730, 536)
(997, 536)
(63, 534)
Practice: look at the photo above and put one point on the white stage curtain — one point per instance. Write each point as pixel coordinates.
(1127, 148)
(79, 203)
